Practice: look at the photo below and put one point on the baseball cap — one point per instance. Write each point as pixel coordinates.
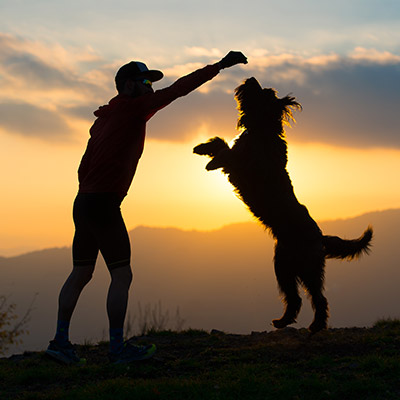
(137, 69)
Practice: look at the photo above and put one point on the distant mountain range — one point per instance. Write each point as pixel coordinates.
(221, 279)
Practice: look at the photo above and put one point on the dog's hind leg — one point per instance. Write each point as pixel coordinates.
(292, 303)
(288, 286)
(314, 283)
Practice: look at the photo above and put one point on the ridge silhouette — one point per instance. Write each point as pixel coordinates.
(234, 259)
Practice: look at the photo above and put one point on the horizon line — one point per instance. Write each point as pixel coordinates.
(192, 230)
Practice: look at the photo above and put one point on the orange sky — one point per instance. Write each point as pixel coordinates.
(58, 62)
(172, 188)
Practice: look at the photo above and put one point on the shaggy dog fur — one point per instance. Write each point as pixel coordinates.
(256, 167)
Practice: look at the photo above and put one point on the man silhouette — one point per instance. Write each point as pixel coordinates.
(105, 175)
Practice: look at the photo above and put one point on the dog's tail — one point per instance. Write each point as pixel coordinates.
(335, 247)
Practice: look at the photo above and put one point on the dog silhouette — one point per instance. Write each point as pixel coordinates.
(256, 167)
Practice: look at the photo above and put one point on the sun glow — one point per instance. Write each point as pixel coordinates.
(172, 188)
(176, 190)
(332, 182)
(336, 182)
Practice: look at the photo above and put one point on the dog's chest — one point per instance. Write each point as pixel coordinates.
(259, 157)
(259, 168)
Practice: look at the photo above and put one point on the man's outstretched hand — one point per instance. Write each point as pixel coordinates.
(233, 58)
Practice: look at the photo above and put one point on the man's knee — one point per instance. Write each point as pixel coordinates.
(82, 274)
(123, 275)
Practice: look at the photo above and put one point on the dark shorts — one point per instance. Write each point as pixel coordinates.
(99, 226)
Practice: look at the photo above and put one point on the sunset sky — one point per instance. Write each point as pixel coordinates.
(340, 59)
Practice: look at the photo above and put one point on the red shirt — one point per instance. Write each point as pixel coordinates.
(117, 136)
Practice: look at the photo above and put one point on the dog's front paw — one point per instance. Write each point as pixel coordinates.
(213, 164)
(212, 147)
(202, 149)
(221, 160)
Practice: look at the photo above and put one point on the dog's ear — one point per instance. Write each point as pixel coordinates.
(289, 104)
(290, 101)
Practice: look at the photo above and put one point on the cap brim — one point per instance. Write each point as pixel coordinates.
(152, 75)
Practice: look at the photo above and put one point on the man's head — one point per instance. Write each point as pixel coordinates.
(135, 71)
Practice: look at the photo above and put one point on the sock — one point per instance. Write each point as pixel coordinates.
(116, 339)
(62, 333)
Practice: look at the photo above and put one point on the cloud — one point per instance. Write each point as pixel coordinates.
(29, 70)
(348, 100)
(43, 87)
(179, 70)
(82, 112)
(32, 64)
(203, 52)
(183, 119)
(374, 56)
(31, 121)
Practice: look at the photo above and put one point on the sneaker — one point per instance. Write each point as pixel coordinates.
(131, 353)
(64, 353)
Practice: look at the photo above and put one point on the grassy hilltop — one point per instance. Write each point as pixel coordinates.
(346, 363)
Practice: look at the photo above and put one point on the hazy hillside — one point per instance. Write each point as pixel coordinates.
(219, 280)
